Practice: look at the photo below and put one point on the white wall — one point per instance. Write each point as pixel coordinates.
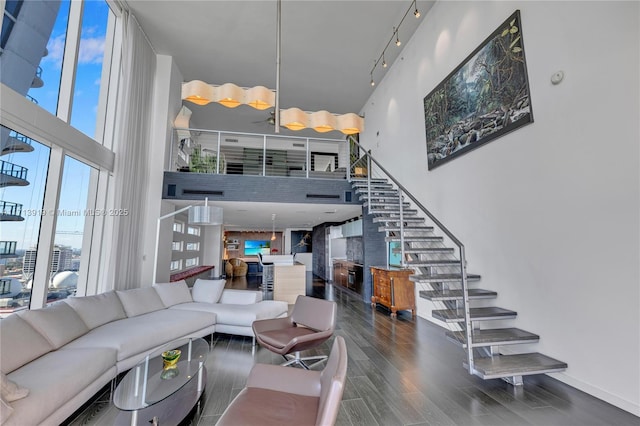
(167, 104)
(548, 213)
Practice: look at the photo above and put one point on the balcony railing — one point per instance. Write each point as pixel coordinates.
(22, 138)
(10, 209)
(13, 170)
(8, 248)
(213, 151)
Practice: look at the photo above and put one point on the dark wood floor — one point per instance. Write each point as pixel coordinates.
(404, 372)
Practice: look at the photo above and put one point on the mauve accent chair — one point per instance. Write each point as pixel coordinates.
(310, 324)
(276, 395)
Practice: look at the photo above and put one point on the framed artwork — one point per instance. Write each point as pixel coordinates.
(486, 96)
(301, 242)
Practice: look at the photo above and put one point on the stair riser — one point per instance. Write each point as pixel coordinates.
(484, 345)
(527, 373)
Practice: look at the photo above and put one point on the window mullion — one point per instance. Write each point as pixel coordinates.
(99, 242)
(47, 235)
(70, 61)
(87, 234)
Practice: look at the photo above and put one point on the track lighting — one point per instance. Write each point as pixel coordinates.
(381, 59)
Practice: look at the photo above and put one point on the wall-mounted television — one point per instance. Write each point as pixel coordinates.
(253, 247)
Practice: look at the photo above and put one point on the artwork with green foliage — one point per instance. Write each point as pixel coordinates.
(483, 98)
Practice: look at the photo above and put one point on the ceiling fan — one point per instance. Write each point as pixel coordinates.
(271, 119)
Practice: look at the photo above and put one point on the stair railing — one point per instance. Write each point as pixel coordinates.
(402, 191)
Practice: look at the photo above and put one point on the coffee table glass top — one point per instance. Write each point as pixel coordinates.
(150, 382)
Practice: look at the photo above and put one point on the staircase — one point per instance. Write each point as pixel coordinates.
(438, 259)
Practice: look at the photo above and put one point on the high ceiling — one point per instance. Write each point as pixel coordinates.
(328, 49)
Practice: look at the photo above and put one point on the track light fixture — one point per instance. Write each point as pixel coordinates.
(395, 35)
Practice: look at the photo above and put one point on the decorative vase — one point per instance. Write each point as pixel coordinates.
(170, 364)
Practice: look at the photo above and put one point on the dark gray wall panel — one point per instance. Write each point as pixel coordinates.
(198, 186)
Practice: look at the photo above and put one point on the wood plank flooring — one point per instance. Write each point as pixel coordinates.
(402, 372)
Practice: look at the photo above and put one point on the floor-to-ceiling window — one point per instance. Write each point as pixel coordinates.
(57, 55)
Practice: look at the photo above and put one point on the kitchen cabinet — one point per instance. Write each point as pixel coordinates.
(352, 229)
(392, 288)
(348, 275)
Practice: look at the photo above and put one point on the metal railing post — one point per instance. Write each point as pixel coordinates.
(264, 155)
(369, 181)
(307, 160)
(218, 154)
(403, 261)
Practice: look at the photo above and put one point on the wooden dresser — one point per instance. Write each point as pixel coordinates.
(392, 288)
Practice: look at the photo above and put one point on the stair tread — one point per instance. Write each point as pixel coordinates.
(516, 365)
(493, 336)
(456, 294)
(477, 314)
(426, 238)
(423, 250)
(395, 219)
(441, 277)
(405, 228)
(433, 262)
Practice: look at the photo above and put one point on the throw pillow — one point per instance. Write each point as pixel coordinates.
(10, 389)
(140, 301)
(174, 293)
(208, 291)
(5, 410)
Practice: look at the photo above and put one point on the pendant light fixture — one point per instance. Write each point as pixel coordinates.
(260, 97)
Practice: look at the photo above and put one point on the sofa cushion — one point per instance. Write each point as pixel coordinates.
(173, 293)
(58, 323)
(243, 315)
(140, 301)
(133, 336)
(11, 391)
(257, 406)
(19, 343)
(240, 297)
(55, 378)
(99, 309)
(208, 291)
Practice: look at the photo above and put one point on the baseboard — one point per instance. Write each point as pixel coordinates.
(623, 404)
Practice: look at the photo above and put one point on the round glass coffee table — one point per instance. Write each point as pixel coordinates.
(154, 392)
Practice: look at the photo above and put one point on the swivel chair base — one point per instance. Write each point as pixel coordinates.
(296, 359)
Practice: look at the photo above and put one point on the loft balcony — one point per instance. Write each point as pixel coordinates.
(233, 166)
(7, 249)
(15, 143)
(10, 212)
(251, 154)
(12, 175)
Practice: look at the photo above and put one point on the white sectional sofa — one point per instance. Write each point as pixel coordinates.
(65, 353)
